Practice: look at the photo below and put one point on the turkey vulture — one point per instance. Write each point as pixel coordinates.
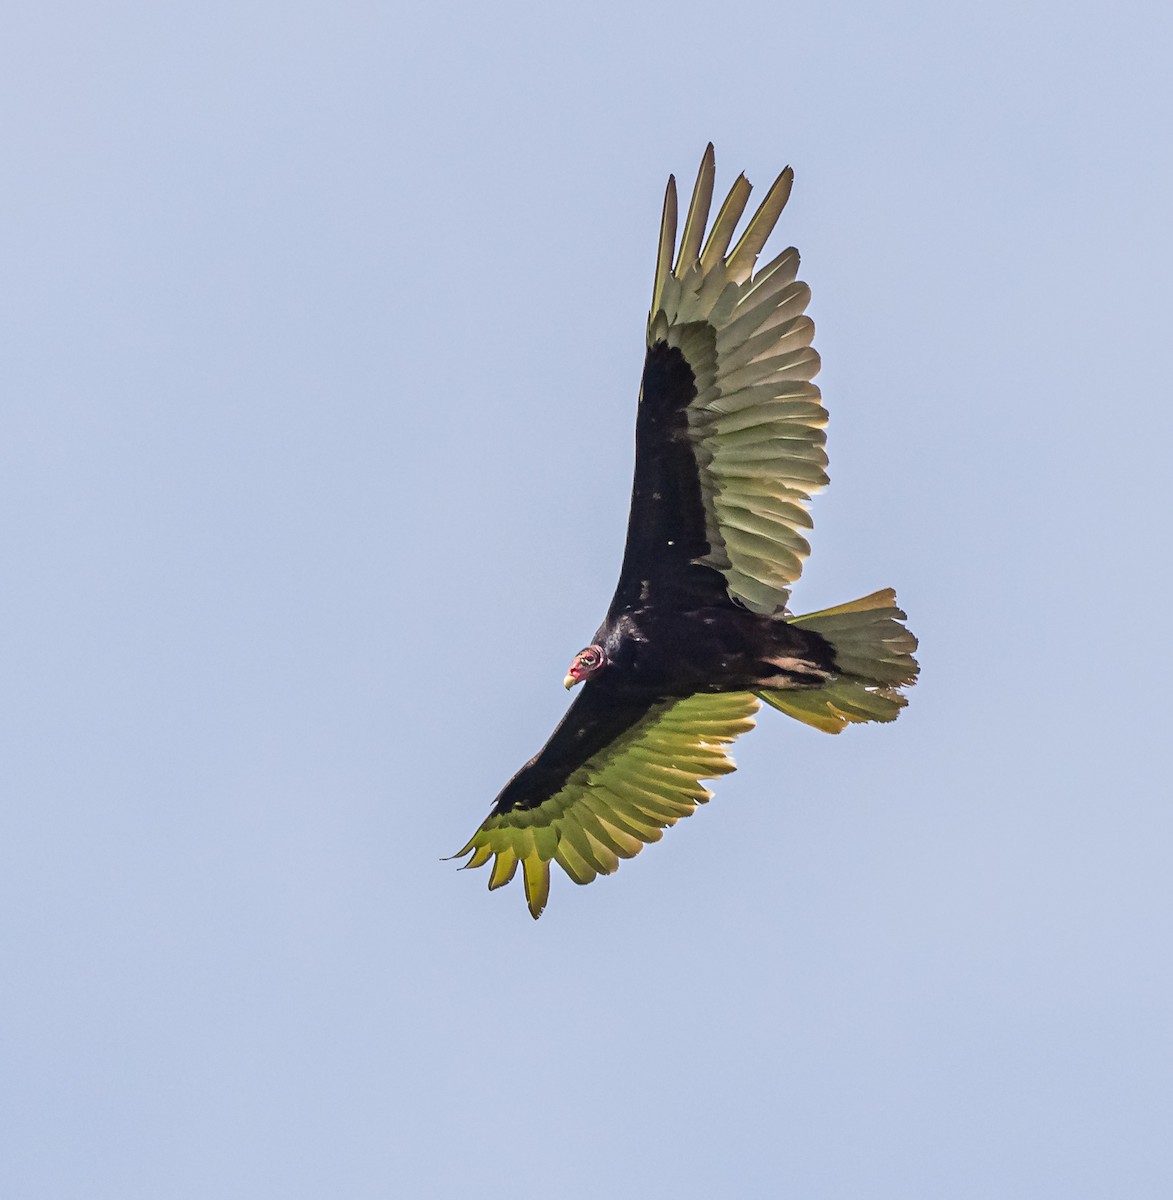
(728, 450)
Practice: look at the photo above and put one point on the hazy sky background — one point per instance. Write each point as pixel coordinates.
(321, 340)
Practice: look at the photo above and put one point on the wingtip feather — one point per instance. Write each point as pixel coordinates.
(744, 255)
(722, 232)
(667, 244)
(698, 212)
(536, 874)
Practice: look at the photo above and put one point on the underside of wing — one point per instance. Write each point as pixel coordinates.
(622, 797)
(756, 421)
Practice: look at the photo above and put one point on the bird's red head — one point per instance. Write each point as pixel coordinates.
(586, 663)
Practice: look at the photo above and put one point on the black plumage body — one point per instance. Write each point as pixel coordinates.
(721, 648)
(655, 656)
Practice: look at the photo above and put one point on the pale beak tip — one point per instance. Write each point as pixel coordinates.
(569, 682)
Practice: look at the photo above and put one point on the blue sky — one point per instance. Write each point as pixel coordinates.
(321, 336)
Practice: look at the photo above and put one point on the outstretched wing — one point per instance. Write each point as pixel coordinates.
(730, 428)
(596, 794)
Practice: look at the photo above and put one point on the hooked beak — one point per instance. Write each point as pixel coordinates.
(570, 681)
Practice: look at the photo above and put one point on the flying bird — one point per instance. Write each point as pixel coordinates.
(729, 444)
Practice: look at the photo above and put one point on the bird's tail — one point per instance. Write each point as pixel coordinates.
(873, 661)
